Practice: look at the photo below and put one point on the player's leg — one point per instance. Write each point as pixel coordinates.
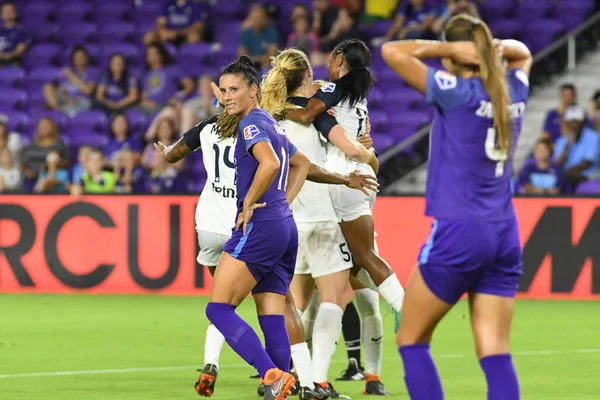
(421, 313)
(367, 302)
(351, 333)
(309, 315)
(211, 247)
(492, 302)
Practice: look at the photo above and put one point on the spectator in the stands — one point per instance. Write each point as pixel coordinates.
(164, 177)
(454, 7)
(78, 169)
(593, 104)
(594, 121)
(199, 107)
(181, 21)
(11, 177)
(345, 27)
(324, 17)
(260, 39)
(53, 178)
(542, 176)
(123, 154)
(118, 88)
(303, 38)
(10, 140)
(33, 156)
(161, 81)
(95, 179)
(13, 39)
(577, 150)
(376, 10)
(413, 21)
(166, 134)
(74, 88)
(553, 124)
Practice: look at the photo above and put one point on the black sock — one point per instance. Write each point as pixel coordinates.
(351, 331)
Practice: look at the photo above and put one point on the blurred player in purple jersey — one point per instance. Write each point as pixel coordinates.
(474, 244)
(261, 254)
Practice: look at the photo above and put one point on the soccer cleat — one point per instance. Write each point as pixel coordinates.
(374, 386)
(318, 393)
(261, 389)
(278, 384)
(205, 385)
(353, 373)
(331, 392)
(296, 389)
(255, 376)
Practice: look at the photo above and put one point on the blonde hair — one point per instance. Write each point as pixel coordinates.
(228, 125)
(468, 28)
(286, 76)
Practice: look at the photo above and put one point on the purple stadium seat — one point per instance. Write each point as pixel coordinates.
(321, 73)
(226, 55)
(227, 32)
(379, 120)
(42, 31)
(198, 52)
(17, 121)
(493, 9)
(78, 139)
(381, 142)
(196, 185)
(130, 51)
(535, 9)
(375, 99)
(40, 9)
(77, 33)
(574, 12)
(43, 74)
(506, 28)
(411, 118)
(138, 121)
(403, 99)
(92, 120)
(378, 29)
(72, 11)
(386, 76)
(111, 10)
(542, 32)
(116, 32)
(13, 99)
(228, 10)
(11, 76)
(41, 54)
(588, 187)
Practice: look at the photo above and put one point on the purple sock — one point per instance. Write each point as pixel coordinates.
(501, 377)
(239, 335)
(421, 376)
(277, 341)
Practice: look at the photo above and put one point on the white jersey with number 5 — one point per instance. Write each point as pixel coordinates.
(216, 210)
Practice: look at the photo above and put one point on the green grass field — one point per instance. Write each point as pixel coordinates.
(147, 347)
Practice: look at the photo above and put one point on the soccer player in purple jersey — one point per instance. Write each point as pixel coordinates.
(261, 254)
(474, 243)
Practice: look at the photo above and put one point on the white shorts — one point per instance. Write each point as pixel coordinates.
(322, 249)
(350, 204)
(211, 246)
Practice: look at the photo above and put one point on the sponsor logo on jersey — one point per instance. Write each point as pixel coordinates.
(329, 88)
(445, 80)
(250, 132)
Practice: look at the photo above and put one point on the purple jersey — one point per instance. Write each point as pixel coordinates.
(162, 83)
(468, 177)
(258, 126)
(10, 38)
(115, 90)
(544, 178)
(71, 90)
(183, 14)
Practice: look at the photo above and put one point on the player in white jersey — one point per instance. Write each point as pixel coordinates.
(345, 96)
(323, 255)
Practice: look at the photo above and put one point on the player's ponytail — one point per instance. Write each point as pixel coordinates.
(286, 76)
(494, 82)
(355, 85)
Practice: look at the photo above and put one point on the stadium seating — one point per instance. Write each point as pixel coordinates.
(106, 27)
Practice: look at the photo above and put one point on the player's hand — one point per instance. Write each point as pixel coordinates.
(160, 147)
(216, 92)
(245, 216)
(362, 182)
(465, 53)
(366, 140)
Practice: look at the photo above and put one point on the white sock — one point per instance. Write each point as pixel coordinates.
(213, 345)
(328, 327)
(367, 302)
(392, 291)
(303, 364)
(309, 316)
(364, 278)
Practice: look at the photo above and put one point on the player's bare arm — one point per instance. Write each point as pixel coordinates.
(307, 115)
(175, 152)
(354, 180)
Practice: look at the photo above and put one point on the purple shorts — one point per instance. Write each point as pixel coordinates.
(471, 256)
(269, 249)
